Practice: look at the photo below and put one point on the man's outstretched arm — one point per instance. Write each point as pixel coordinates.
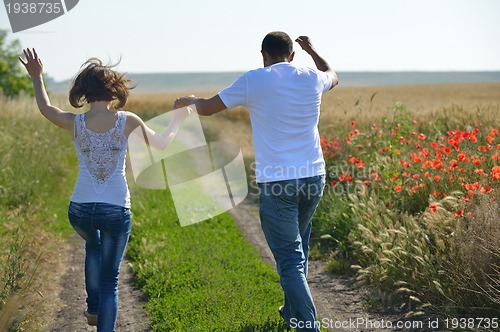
(321, 64)
(204, 106)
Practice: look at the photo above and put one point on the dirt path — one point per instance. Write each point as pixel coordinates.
(337, 300)
(69, 317)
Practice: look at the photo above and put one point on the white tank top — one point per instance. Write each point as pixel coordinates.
(101, 159)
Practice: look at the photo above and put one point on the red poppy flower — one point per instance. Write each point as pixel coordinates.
(495, 173)
(486, 190)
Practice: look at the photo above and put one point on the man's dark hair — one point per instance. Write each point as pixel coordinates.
(277, 44)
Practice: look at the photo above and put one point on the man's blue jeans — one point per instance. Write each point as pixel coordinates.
(286, 209)
(106, 230)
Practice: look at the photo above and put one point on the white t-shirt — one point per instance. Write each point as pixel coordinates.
(284, 104)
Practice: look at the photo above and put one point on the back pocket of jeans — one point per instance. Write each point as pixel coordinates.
(287, 205)
(118, 221)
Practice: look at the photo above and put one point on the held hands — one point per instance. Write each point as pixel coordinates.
(184, 101)
(33, 64)
(305, 43)
(181, 109)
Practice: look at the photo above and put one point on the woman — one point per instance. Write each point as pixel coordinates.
(99, 209)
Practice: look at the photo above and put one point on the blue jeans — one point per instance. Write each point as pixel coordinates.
(286, 209)
(106, 230)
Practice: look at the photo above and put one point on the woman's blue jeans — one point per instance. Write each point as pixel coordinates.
(286, 209)
(106, 230)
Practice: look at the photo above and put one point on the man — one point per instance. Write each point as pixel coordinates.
(284, 105)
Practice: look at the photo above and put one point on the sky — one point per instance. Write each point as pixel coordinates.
(226, 35)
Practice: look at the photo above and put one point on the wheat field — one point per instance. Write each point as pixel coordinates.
(458, 103)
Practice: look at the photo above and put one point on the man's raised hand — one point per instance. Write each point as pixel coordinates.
(305, 43)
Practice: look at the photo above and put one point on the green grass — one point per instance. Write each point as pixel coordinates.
(203, 277)
(35, 184)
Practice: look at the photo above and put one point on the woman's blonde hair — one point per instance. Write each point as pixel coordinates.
(97, 82)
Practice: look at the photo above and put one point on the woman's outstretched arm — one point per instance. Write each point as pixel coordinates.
(158, 140)
(34, 66)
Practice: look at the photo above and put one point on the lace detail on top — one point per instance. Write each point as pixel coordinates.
(101, 153)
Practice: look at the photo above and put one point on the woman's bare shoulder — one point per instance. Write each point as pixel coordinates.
(133, 121)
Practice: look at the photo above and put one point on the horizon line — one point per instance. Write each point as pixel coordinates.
(408, 71)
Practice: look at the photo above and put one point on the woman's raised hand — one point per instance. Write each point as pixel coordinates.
(33, 64)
